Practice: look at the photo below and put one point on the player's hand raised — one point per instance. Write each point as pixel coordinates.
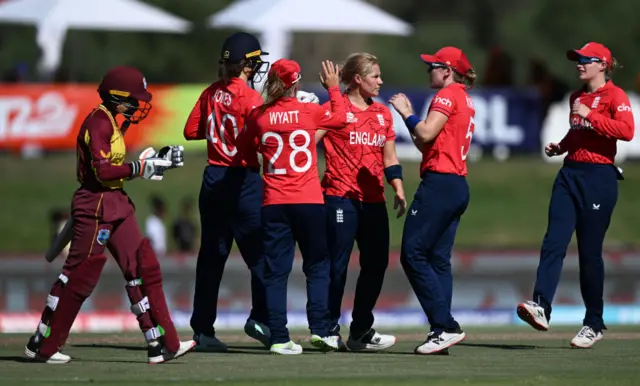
(402, 105)
(330, 75)
(552, 149)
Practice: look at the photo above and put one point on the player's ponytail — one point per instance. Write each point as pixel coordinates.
(469, 79)
(612, 67)
(273, 90)
(227, 71)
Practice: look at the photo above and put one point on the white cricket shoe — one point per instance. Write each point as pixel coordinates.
(166, 356)
(438, 342)
(259, 332)
(55, 359)
(325, 343)
(209, 344)
(289, 348)
(371, 341)
(534, 315)
(586, 338)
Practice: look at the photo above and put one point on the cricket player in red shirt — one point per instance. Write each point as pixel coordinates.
(443, 195)
(104, 217)
(231, 193)
(585, 191)
(283, 131)
(358, 158)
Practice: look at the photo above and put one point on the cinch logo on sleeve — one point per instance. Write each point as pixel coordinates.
(624, 107)
(443, 101)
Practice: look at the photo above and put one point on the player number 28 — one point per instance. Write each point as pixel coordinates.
(468, 137)
(295, 149)
(211, 123)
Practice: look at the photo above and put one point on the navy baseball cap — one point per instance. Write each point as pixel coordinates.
(241, 46)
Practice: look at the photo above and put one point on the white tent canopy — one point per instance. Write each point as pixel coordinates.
(54, 17)
(276, 20)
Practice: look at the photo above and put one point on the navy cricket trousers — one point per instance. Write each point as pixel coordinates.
(583, 198)
(350, 221)
(230, 205)
(282, 226)
(427, 240)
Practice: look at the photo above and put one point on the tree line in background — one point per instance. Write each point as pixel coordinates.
(509, 42)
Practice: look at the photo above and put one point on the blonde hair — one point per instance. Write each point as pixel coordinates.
(608, 74)
(273, 90)
(360, 63)
(469, 78)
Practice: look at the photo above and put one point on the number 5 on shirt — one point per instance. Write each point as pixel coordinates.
(468, 137)
(292, 150)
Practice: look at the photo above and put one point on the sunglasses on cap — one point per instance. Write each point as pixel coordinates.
(586, 60)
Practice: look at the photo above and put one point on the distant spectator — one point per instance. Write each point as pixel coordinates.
(499, 69)
(551, 88)
(154, 227)
(17, 74)
(184, 228)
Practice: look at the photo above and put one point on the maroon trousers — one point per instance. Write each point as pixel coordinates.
(106, 220)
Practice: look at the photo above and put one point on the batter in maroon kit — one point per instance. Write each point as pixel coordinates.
(104, 216)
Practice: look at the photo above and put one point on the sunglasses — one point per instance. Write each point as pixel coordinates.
(434, 66)
(586, 60)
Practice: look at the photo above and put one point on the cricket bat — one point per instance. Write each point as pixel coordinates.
(61, 241)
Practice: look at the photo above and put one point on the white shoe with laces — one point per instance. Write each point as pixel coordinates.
(586, 338)
(438, 342)
(371, 341)
(532, 314)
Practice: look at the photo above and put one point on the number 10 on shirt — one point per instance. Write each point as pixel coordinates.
(211, 132)
(291, 150)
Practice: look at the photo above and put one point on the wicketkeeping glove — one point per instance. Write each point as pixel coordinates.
(150, 167)
(173, 153)
(307, 97)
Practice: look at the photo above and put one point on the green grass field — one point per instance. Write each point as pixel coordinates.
(508, 206)
(496, 356)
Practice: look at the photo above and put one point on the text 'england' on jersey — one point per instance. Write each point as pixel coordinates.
(219, 117)
(354, 155)
(447, 153)
(594, 139)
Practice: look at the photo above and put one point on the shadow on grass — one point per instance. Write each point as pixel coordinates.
(13, 358)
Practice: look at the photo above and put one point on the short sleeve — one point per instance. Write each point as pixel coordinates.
(444, 102)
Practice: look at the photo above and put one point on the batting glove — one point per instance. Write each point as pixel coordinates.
(173, 153)
(149, 166)
(307, 97)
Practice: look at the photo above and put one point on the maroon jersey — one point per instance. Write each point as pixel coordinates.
(354, 155)
(284, 134)
(594, 139)
(101, 170)
(219, 116)
(447, 153)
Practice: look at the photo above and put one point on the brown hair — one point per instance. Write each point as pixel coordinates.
(469, 78)
(228, 71)
(608, 74)
(360, 63)
(273, 90)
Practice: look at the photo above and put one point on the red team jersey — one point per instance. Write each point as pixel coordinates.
(285, 137)
(593, 139)
(447, 153)
(219, 116)
(354, 155)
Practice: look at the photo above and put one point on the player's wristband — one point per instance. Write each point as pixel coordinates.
(393, 172)
(411, 122)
